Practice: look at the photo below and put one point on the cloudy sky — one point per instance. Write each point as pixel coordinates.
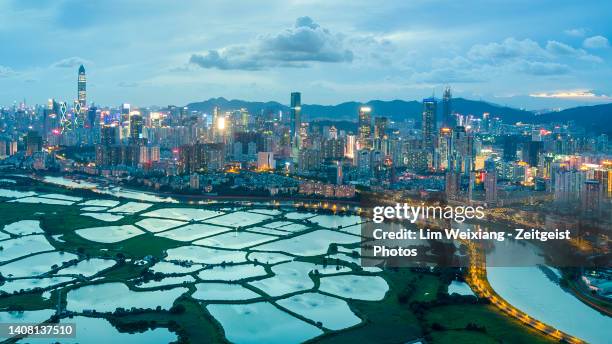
(531, 54)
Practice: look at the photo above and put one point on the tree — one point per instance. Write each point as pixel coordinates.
(177, 309)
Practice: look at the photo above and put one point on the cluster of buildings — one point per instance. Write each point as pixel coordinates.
(474, 158)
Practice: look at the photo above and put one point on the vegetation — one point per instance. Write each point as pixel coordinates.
(416, 305)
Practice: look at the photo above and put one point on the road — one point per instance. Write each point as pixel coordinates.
(477, 279)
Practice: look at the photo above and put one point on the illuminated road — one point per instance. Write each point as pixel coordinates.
(477, 279)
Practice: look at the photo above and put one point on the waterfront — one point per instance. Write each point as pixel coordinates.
(539, 295)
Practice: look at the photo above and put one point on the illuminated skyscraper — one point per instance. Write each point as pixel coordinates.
(365, 127)
(296, 117)
(136, 124)
(429, 123)
(380, 127)
(349, 148)
(82, 88)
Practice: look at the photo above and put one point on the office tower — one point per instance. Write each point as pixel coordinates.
(531, 151)
(510, 147)
(429, 124)
(296, 117)
(485, 122)
(136, 124)
(82, 88)
(125, 114)
(349, 148)
(92, 117)
(447, 111)
(33, 143)
(365, 127)
(364, 161)
(108, 135)
(221, 126)
(380, 127)
(184, 113)
(332, 148)
(445, 149)
(124, 121)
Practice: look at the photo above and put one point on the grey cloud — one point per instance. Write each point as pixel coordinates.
(457, 70)
(559, 48)
(446, 75)
(596, 42)
(542, 68)
(227, 58)
(295, 47)
(508, 49)
(482, 61)
(524, 56)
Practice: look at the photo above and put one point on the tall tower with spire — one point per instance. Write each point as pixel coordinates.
(82, 88)
(447, 111)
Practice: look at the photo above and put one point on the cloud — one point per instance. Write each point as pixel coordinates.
(576, 32)
(70, 62)
(236, 57)
(6, 72)
(542, 68)
(572, 94)
(508, 49)
(563, 49)
(483, 62)
(446, 75)
(596, 42)
(304, 43)
(456, 70)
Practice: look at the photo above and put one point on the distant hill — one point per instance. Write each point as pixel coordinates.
(478, 107)
(224, 104)
(595, 118)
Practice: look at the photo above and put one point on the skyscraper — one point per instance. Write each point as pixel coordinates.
(380, 127)
(33, 143)
(296, 117)
(429, 123)
(447, 111)
(490, 184)
(365, 127)
(82, 87)
(136, 124)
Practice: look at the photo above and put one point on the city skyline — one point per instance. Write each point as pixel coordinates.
(353, 56)
(305, 171)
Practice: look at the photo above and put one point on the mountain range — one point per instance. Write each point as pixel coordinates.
(594, 118)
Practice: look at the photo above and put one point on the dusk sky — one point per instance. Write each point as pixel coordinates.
(531, 54)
